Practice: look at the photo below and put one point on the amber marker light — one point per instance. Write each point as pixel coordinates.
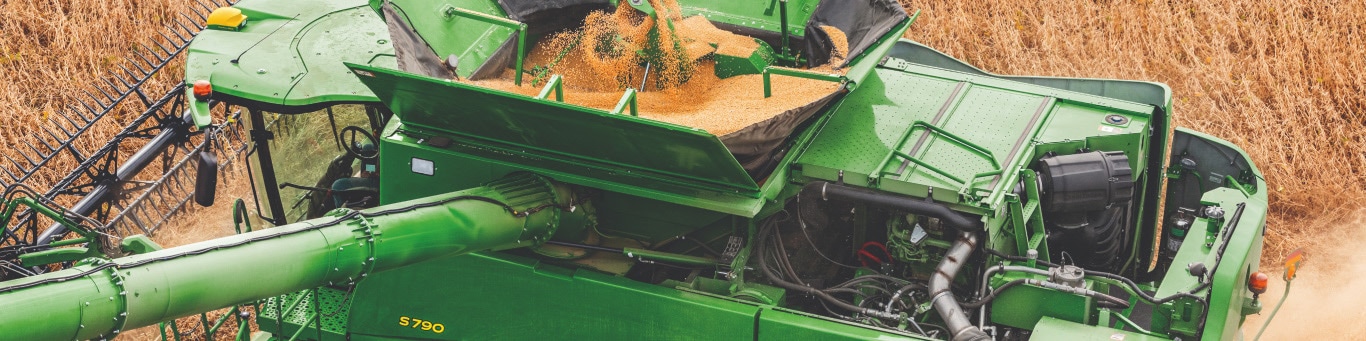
(1257, 282)
(202, 89)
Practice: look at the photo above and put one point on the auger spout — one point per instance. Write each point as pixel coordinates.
(99, 299)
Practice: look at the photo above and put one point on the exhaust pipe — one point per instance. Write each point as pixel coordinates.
(944, 303)
(942, 298)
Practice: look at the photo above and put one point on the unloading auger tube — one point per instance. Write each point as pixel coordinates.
(940, 296)
(99, 299)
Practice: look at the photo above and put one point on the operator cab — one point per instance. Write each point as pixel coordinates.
(301, 173)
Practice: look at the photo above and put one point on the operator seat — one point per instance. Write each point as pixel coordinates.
(361, 191)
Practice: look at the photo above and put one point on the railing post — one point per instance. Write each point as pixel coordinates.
(556, 85)
(627, 99)
(781, 71)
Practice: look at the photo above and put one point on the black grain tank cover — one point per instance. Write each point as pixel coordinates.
(1085, 182)
(862, 21)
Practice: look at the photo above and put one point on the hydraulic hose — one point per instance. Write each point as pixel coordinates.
(1122, 304)
(940, 294)
(822, 294)
(1132, 287)
(828, 191)
(100, 299)
(942, 297)
(992, 271)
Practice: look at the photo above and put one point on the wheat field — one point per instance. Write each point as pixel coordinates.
(1280, 78)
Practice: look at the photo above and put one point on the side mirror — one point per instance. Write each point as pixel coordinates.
(206, 180)
(1292, 263)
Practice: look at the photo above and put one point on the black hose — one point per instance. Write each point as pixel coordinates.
(784, 260)
(871, 277)
(941, 298)
(827, 191)
(996, 292)
(989, 297)
(1141, 294)
(824, 296)
(1127, 282)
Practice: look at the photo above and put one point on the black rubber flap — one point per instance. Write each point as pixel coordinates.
(862, 21)
(756, 146)
(413, 53)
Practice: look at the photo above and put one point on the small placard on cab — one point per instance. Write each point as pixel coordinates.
(424, 167)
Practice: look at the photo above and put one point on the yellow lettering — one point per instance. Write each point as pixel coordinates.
(415, 323)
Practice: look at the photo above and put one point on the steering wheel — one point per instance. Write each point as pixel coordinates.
(353, 148)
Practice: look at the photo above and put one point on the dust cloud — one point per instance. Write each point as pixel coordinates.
(1326, 299)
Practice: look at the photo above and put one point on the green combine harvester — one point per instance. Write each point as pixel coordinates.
(914, 197)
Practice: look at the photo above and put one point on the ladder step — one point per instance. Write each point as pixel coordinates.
(1030, 209)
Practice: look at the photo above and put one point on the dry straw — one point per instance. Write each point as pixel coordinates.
(1279, 78)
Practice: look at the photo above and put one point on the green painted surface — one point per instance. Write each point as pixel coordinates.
(730, 66)
(941, 117)
(781, 324)
(653, 181)
(291, 53)
(592, 305)
(1025, 305)
(630, 206)
(298, 308)
(762, 15)
(527, 299)
(568, 138)
(1229, 292)
(1151, 93)
(1049, 329)
(100, 299)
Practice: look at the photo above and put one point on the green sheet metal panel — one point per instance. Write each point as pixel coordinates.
(1049, 329)
(995, 118)
(500, 296)
(763, 15)
(1151, 93)
(865, 124)
(1201, 245)
(1024, 305)
(784, 325)
(627, 206)
(292, 45)
(1004, 118)
(576, 136)
(464, 163)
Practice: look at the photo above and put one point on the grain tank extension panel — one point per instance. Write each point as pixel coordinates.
(571, 138)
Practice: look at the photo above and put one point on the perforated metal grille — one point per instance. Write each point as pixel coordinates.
(332, 312)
